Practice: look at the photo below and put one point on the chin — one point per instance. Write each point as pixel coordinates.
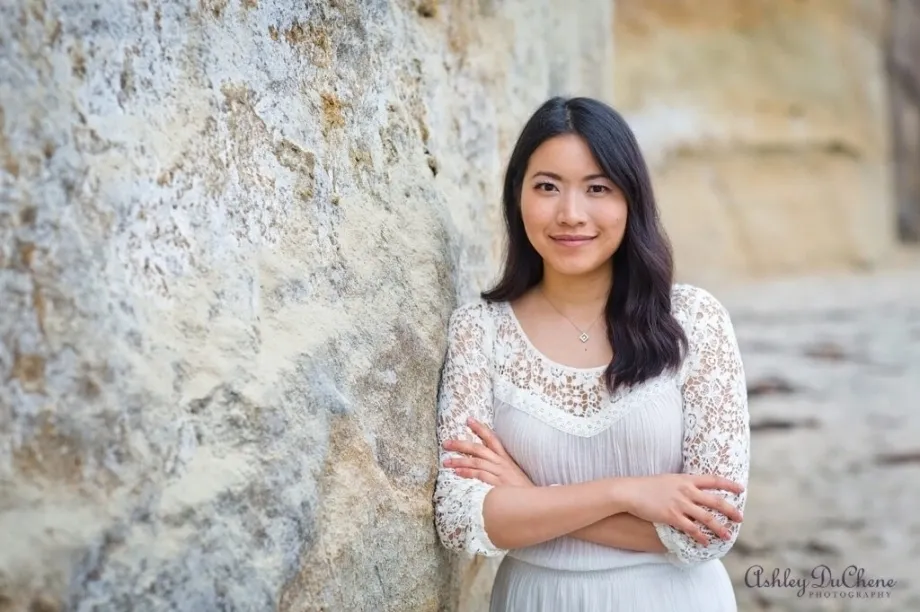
(575, 268)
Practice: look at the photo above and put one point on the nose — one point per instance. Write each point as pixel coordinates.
(571, 210)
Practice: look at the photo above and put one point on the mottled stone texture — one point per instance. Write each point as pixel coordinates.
(767, 125)
(231, 233)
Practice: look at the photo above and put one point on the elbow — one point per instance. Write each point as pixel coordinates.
(466, 541)
(684, 551)
(459, 520)
(716, 549)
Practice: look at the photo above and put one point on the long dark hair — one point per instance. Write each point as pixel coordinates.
(645, 336)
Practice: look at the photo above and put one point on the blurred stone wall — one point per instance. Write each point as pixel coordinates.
(904, 90)
(766, 122)
(231, 233)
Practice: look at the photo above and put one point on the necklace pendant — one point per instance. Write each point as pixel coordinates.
(583, 337)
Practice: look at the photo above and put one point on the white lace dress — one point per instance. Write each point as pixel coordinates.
(563, 427)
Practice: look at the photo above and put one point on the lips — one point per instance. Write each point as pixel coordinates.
(572, 240)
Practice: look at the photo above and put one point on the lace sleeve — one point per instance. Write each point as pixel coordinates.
(465, 391)
(716, 423)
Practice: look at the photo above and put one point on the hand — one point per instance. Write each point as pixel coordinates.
(488, 462)
(680, 501)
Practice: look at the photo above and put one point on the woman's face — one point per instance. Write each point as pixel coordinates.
(573, 215)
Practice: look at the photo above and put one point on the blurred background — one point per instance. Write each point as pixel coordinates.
(232, 231)
(785, 138)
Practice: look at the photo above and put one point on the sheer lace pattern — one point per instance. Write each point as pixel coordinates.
(716, 420)
(465, 392)
(573, 400)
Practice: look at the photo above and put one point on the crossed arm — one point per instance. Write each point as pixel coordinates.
(488, 518)
(490, 463)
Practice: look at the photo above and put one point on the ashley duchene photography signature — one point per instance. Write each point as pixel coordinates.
(822, 582)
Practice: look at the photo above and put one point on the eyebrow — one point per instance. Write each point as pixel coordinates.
(556, 177)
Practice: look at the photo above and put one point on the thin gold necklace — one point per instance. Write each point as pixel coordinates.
(584, 337)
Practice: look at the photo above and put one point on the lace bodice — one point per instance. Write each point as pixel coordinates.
(489, 359)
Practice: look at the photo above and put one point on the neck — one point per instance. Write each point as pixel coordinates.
(581, 296)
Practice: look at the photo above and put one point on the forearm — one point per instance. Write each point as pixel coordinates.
(516, 517)
(623, 531)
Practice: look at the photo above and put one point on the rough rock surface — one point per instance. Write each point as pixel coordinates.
(231, 233)
(833, 368)
(767, 124)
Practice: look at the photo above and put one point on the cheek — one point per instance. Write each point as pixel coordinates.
(534, 216)
(612, 216)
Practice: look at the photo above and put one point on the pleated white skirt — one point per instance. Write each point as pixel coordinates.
(653, 587)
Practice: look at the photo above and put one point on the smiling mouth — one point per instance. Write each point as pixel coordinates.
(573, 240)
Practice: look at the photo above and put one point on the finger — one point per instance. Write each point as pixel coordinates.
(471, 448)
(706, 518)
(719, 504)
(480, 475)
(472, 463)
(488, 437)
(691, 529)
(711, 481)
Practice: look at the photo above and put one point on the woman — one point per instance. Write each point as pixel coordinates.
(592, 414)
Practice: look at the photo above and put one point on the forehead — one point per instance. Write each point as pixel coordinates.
(567, 155)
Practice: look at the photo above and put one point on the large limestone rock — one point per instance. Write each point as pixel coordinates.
(766, 123)
(231, 233)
